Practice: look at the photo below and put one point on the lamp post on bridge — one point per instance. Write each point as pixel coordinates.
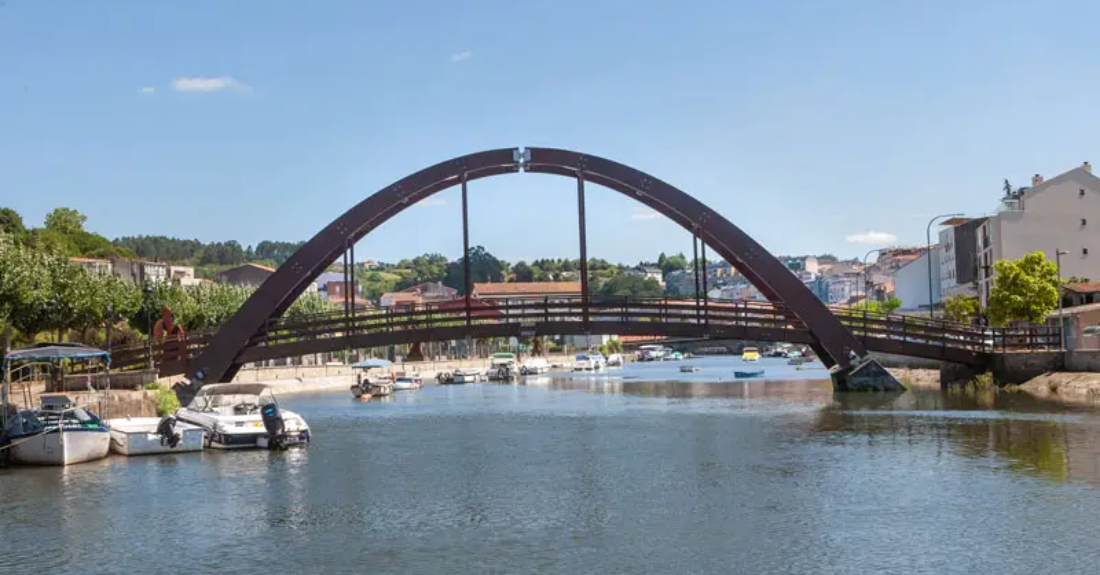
(867, 280)
(1058, 253)
(928, 254)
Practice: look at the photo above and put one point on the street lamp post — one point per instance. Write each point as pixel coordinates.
(867, 280)
(148, 291)
(928, 255)
(1061, 319)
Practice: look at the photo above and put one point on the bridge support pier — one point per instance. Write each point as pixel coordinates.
(865, 375)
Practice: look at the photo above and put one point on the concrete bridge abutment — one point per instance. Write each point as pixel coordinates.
(866, 375)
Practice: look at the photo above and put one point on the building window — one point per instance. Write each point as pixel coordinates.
(1084, 251)
(1081, 192)
(1084, 221)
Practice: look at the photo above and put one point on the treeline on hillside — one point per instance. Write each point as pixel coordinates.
(62, 233)
(195, 252)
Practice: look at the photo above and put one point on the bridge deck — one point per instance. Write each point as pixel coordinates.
(756, 321)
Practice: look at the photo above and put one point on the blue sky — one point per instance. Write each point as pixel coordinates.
(807, 123)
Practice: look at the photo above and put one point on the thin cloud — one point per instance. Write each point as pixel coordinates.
(872, 237)
(643, 214)
(429, 202)
(202, 84)
(147, 90)
(462, 56)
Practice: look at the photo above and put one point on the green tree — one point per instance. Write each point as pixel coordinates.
(422, 269)
(1024, 289)
(672, 263)
(484, 267)
(961, 308)
(523, 272)
(310, 303)
(11, 223)
(66, 221)
(634, 286)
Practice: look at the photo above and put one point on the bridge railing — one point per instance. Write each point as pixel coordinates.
(716, 317)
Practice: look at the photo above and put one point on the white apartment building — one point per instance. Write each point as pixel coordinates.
(1062, 213)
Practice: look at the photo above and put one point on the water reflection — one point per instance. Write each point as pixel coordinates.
(632, 471)
(1030, 435)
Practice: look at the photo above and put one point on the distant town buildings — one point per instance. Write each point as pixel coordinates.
(102, 267)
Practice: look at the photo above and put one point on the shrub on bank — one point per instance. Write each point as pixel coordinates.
(167, 402)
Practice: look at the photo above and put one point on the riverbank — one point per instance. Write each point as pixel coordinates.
(1075, 388)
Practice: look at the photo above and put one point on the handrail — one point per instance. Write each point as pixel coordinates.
(720, 316)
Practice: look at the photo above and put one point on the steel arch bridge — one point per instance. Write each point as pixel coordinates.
(222, 357)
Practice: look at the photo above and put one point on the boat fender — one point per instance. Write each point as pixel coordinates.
(166, 429)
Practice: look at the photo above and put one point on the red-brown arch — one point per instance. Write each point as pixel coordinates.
(219, 361)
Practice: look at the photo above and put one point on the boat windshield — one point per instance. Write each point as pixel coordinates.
(232, 399)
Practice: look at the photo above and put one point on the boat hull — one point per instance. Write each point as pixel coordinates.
(137, 436)
(61, 448)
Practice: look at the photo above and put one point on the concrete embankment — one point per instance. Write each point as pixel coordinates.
(285, 380)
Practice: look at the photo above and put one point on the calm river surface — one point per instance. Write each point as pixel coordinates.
(645, 470)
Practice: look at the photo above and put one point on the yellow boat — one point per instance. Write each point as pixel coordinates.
(750, 354)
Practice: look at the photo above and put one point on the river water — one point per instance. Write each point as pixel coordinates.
(645, 470)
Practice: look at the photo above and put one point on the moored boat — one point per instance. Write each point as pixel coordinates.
(153, 435)
(407, 380)
(469, 375)
(534, 366)
(748, 374)
(244, 416)
(750, 354)
(690, 368)
(58, 432)
(366, 385)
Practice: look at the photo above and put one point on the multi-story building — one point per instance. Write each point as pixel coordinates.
(183, 276)
(959, 257)
(94, 266)
(140, 272)
(1049, 216)
(647, 272)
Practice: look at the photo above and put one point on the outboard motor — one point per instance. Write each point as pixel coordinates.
(166, 429)
(273, 423)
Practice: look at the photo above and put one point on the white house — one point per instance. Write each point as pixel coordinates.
(911, 282)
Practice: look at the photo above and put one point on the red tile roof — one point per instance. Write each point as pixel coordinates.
(1087, 287)
(526, 288)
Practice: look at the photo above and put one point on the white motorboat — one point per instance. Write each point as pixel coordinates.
(615, 360)
(153, 435)
(588, 362)
(468, 375)
(58, 433)
(406, 380)
(690, 369)
(534, 366)
(244, 416)
(502, 367)
(652, 353)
